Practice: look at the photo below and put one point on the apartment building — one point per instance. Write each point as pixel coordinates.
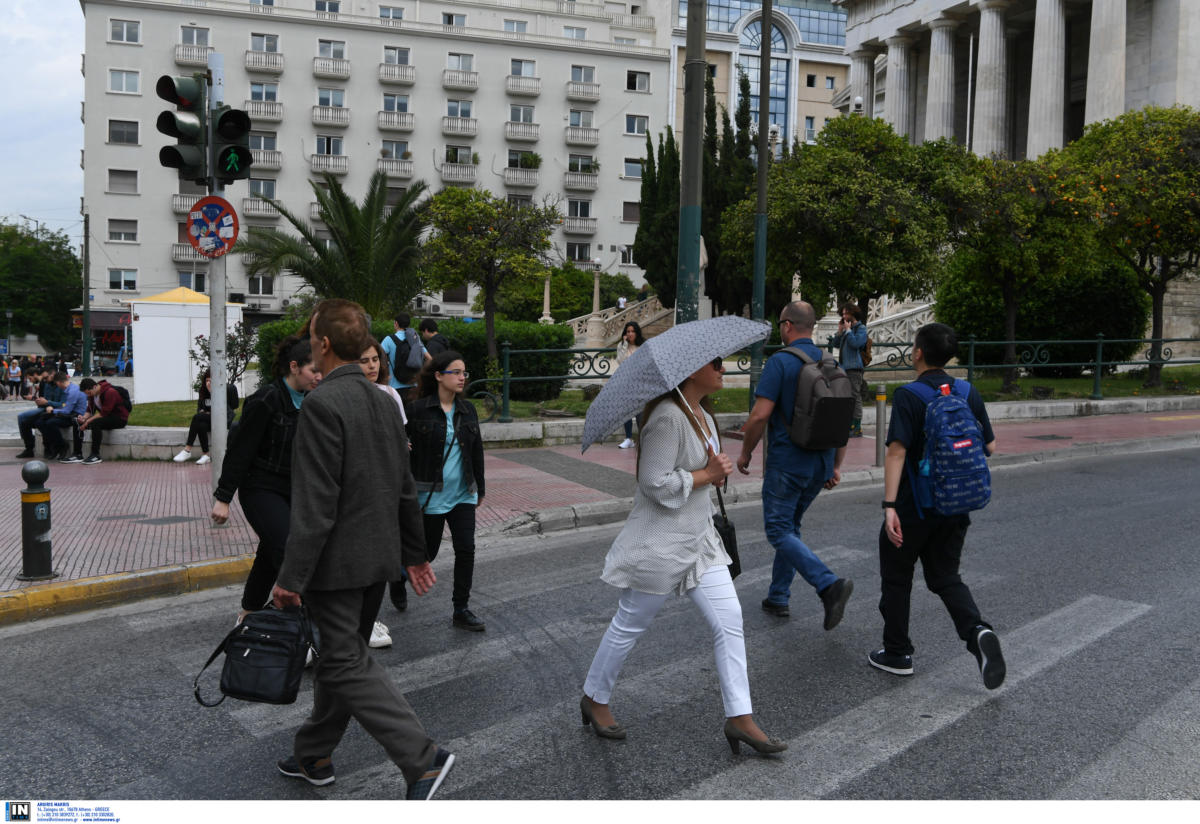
(452, 93)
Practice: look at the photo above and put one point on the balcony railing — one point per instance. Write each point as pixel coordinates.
(188, 55)
(337, 164)
(182, 204)
(256, 207)
(395, 167)
(522, 86)
(527, 132)
(458, 172)
(270, 111)
(314, 211)
(460, 80)
(395, 73)
(334, 68)
(582, 136)
(267, 159)
(460, 126)
(184, 253)
(581, 181)
(396, 121)
(268, 62)
(522, 178)
(331, 116)
(583, 91)
(632, 21)
(579, 225)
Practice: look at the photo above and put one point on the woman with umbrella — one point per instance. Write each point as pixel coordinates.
(669, 544)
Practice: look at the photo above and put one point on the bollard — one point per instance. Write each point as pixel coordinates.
(35, 524)
(880, 415)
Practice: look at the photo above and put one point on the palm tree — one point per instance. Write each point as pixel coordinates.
(370, 255)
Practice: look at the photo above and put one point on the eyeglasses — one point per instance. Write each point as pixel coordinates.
(718, 364)
(455, 372)
(782, 321)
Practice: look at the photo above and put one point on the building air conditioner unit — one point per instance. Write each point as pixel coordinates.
(286, 302)
(434, 309)
(237, 297)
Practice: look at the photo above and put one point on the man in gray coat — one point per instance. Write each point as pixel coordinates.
(355, 523)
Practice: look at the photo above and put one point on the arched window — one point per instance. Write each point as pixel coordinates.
(752, 38)
(780, 91)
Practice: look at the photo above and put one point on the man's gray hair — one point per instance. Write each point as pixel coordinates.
(801, 314)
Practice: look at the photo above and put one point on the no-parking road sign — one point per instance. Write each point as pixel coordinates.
(212, 226)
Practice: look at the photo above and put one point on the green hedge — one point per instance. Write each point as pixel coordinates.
(470, 340)
(270, 334)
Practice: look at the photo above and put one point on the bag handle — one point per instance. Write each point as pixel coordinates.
(681, 402)
(305, 624)
(445, 457)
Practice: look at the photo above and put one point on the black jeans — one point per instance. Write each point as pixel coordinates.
(462, 537)
(97, 427)
(201, 426)
(938, 543)
(269, 514)
(51, 427)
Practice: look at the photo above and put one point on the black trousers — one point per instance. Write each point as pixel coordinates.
(200, 427)
(97, 426)
(268, 513)
(937, 543)
(462, 538)
(51, 427)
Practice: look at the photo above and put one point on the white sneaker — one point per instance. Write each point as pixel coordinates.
(183, 455)
(203, 460)
(625, 444)
(308, 659)
(380, 637)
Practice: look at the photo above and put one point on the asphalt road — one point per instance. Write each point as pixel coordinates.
(1086, 568)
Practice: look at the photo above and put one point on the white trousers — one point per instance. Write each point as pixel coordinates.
(717, 601)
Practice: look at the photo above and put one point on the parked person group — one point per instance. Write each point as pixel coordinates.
(107, 409)
(201, 425)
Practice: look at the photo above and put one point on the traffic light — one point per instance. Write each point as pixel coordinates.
(231, 134)
(186, 124)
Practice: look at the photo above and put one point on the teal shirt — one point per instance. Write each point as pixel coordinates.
(297, 397)
(454, 485)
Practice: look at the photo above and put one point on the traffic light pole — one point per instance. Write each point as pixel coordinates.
(216, 285)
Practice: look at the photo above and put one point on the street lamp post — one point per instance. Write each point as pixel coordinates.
(8, 314)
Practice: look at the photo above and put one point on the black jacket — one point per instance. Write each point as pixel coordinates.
(427, 434)
(259, 452)
(204, 405)
(436, 344)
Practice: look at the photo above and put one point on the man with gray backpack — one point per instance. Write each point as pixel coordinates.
(935, 473)
(405, 353)
(805, 402)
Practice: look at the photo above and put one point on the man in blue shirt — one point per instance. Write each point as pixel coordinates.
(46, 397)
(401, 370)
(73, 405)
(850, 340)
(792, 476)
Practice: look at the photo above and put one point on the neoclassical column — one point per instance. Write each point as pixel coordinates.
(991, 81)
(1048, 92)
(862, 80)
(898, 99)
(939, 97)
(1106, 61)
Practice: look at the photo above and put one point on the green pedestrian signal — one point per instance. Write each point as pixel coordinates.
(231, 129)
(189, 155)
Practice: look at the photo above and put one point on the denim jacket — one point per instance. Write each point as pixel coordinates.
(259, 453)
(427, 434)
(851, 344)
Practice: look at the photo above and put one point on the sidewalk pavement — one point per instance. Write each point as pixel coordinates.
(125, 530)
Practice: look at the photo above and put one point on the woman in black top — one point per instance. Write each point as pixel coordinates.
(258, 464)
(202, 421)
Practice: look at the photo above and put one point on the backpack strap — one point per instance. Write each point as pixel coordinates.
(395, 352)
(797, 353)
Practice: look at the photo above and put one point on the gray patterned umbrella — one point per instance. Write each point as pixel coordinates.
(661, 364)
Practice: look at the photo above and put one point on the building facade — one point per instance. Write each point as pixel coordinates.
(452, 93)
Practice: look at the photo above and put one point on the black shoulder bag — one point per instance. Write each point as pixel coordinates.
(264, 657)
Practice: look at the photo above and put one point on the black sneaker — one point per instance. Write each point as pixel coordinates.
(834, 597)
(991, 660)
(778, 610)
(423, 789)
(318, 771)
(92, 459)
(27, 453)
(66, 458)
(890, 662)
(399, 593)
(467, 620)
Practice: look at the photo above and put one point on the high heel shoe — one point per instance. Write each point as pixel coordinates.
(616, 731)
(736, 738)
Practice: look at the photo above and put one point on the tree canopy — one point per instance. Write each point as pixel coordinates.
(41, 281)
(570, 294)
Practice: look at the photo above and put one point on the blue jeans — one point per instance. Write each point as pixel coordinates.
(785, 496)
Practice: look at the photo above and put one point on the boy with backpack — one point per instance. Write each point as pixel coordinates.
(405, 353)
(108, 408)
(935, 473)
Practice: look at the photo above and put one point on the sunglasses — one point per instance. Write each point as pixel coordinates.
(717, 363)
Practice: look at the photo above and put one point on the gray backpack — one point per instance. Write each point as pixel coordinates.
(824, 405)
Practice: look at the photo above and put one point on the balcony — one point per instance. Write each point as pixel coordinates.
(579, 226)
(396, 121)
(182, 204)
(267, 159)
(397, 75)
(632, 21)
(587, 92)
(582, 136)
(314, 211)
(460, 126)
(256, 207)
(188, 55)
(264, 111)
(265, 62)
(458, 173)
(581, 181)
(336, 164)
(521, 178)
(521, 86)
(184, 253)
(458, 80)
(333, 68)
(395, 167)
(338, 116)
(525, 132)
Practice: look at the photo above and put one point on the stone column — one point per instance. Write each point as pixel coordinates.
(1106, 61)
(991, 81)
(939, 100)
(1048, 92)
(898, 100)
(545, 318)
(862, 80)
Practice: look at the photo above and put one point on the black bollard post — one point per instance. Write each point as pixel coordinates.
(35, 524)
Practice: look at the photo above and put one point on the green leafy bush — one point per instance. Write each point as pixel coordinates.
(469, 340)
(271, 334)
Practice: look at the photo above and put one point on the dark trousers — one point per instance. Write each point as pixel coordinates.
(97, 427)
(268, 513)
(26, 422)
(462, 537)
(349, 683)
(51, 427)
(201, 426)
(937, 543)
